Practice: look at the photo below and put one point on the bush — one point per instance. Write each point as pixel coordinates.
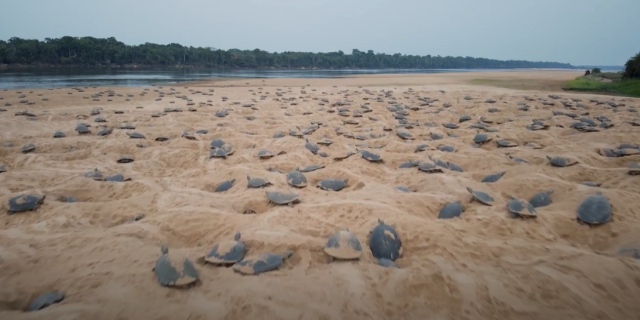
(596, 70)
(632, 67)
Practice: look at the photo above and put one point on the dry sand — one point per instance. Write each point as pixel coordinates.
(484, 265)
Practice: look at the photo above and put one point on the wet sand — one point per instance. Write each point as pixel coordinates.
(100, 250)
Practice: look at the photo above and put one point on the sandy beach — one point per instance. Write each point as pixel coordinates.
(100, 250)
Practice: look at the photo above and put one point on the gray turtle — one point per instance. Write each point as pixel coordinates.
(218, 153)
(46, 300)
(481, 197)
(343, 245)
(384, 242)
(278, 135)
(104, 132)
(520, 207)
(451, 210)
(227, 252)
(494, 177)
(125, 159)
(24, 203)
(296, 179)
(464, 118)
(541, 199)
(310, 168)
(100, 119)
(450, 125)
(403, 189)
(429, 167)
(162, 139)
(591, 184)
(311, 146)
(626, 152)
(175, 271)
(127, 126)
(409, 164)
(447, 148)
(257, 182)
(481, 138)
(332, 184)
(561, 161)
(634, 169)
(188, 135)
(260, 263)
(454, 167)
(421, 148)
(28, 148)
(404, 135)
(82, 129)
(225, 186)
(2, 168)
(136, 135)
(59, 134)
(265, 154)
(282, 198)
(595, 210)
(371, 157)
(217, 143)
(116, 178)
(503, 143)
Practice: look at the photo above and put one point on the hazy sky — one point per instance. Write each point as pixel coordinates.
(602, 32)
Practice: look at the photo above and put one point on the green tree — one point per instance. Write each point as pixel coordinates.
(632, 67)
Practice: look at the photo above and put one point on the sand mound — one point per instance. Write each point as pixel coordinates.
(100, 248)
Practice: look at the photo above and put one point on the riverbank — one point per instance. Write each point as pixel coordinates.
(98, 241)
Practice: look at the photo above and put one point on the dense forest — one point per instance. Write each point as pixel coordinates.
(89, 51)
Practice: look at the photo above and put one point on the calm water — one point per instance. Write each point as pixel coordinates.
(142, 77)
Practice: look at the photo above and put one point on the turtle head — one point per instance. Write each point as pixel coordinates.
(237, 236)
(380, 221)
(287, 254)
(470, 190)
(164, 249)
(248, 178)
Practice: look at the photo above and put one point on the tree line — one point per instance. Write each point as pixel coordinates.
(90, 51)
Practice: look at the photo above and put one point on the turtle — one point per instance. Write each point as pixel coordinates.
(450, 125)
(384, 242)
(227, 252)
(218, 153)
(429, 167)
(59, 134)
(100, 120)
(371, 157)
(409, 164)
(446, 148)
(225, 186)
(464, 118)
(25, 202)
(104, 132)
(494, 177)
(628, 146)
(481, 138)
(28, 148)
(136, 135)
(174, 271)
(2, 168)
(296, 179)
(282, 198)
(325, 142)
(504, 143)
(260, 263)
(626, 152)
(188, 135)
(310, 168)
(454, 167)
(421, 148)
(279, 134)
(46, 300)
(82, 129)
(265, 154)
(116, 178)
(439, 162)
(521, 208)
(94, 174)
(403, 189)
(202, 131)
(344, 156)
(591, 184)
(481, 197)
(127, 126)
(561, 161)
(257, 182)
(332, 184)
(311, 146)
(404, 135)
(162, 139)
(343, 245)
(125, 159)
(451, 210)
(634, 169)
(595, 210)
(541, 199)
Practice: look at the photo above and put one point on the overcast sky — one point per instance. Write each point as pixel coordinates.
(580, 32)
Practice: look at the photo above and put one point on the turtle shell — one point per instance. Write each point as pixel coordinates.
(217, 143)
(310, 168)
(506, 143)
(446, 148)
(265, 154)
(464, 118)
(125, 159)
(104, 132)
(371, 157)
(257, 182)
(296, 179)
(481, 138)
(46, 300)
(595, 209)
(332, 184)
(227, 252)
(384, 242)
(59, 134)
(282, 198)
(28, 148)
(541, 199)
(82, 129)
(450, 125)
(561, 161)
(493, 177)
(260, 263)
(218, 153)
(451, 210)
(24, 203)
(312, 147)
(429, 167)
(343, 245)
(481, 197)
(136, 135)
(634, 169)
(225, 186)
(174, 270)
(521, 207)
